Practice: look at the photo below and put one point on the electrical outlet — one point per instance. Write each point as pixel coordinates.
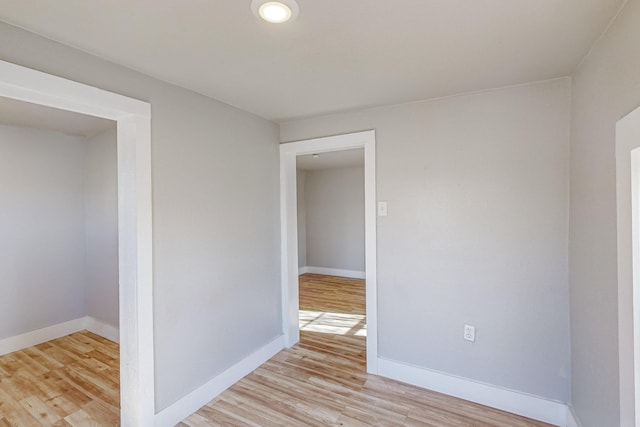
(470, 333)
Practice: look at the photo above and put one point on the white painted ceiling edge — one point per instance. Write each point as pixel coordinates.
(336, 56)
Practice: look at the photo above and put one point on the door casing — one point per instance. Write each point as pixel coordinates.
(289, 231)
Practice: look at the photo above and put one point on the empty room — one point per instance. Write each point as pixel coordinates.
(298, 212)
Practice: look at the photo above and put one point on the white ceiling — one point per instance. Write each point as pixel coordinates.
(338, 55)
(27, 115)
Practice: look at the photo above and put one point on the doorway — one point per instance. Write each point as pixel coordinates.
(133, 117)
(289, 231)
(628, 211)
(331, 252)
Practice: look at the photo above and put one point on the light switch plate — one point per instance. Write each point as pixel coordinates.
(382, 208)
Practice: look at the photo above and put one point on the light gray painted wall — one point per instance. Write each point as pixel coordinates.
(335, 218)
(477, 232)
(605, 88)
(216, 242)
(42, 243)
(302, 218)
(101, 227)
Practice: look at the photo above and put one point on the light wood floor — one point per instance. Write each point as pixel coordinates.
(332, 294)
(70, 381)
(322, 381)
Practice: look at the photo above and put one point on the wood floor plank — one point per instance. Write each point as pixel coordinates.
(29, 365)
(42, 358)
(196, 421)
(322, 381)
(9, 364)
(70, 401)
(40, 410)
(18, 386)
(15, 413)
(105, 415)
(49, 386)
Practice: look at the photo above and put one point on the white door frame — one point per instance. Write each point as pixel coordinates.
(628, 204)
(133, 117)
(289, 231)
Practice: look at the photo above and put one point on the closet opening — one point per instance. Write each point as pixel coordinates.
(132, 119)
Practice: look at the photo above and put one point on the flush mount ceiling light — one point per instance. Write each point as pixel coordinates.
(275, 12)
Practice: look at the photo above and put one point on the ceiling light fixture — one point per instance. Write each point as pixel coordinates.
(275, 12)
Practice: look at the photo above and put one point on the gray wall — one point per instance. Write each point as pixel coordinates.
(42, 243)
(302, 218)
(101, 227)
(477, 232)
(605, 88)
(334, 206)
(215, 217)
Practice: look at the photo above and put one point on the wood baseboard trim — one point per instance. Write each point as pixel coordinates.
(29, 339)
(352, 274)
(519, 403)
(189, 404)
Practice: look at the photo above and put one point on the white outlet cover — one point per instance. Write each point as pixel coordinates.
(470, 333)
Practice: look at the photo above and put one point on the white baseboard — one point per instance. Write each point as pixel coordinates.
(103, 329)
(572, 418)
(204, 394)
(519, 403)
(352, 274)
(29, 339)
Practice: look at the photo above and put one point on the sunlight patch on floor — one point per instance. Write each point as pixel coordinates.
(333, 323)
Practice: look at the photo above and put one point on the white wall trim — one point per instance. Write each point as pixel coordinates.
(289, 231)
(303, 270)
(628, 239)
(572, 418)
(103, 329)
(48, 333)
(352, 274)
(133, 117)
(209, 391)
(28, 339)
(516, 402)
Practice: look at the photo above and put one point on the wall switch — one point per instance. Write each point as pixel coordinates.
(470, 333)
(382, 208)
